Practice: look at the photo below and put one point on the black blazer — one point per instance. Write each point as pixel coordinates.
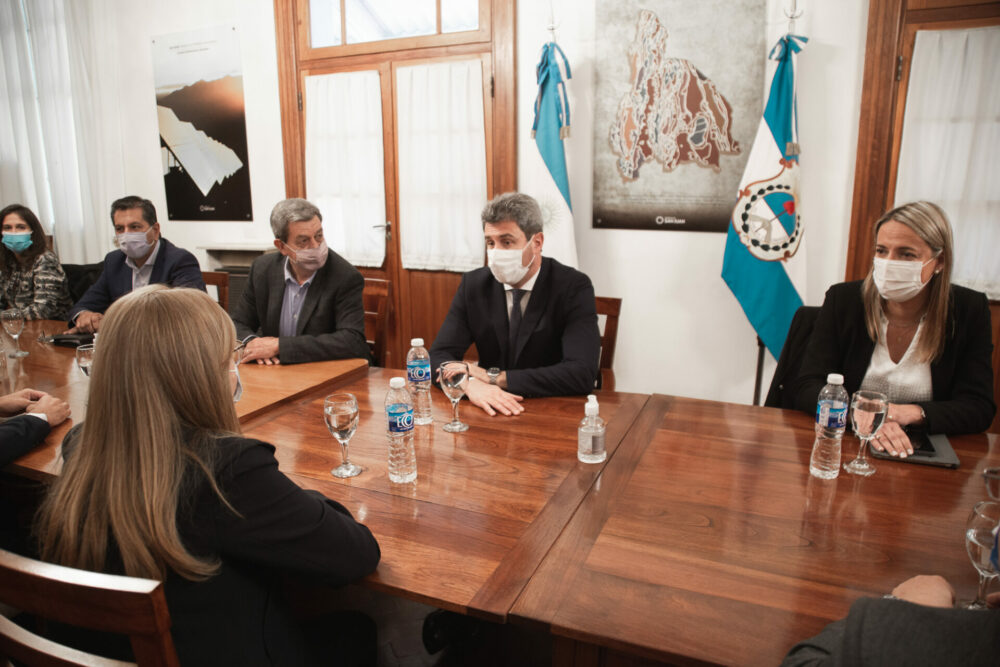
(238, 616)
(19, 435)
(332, 320)
(558, 347)
(962, 378)
(174, 266)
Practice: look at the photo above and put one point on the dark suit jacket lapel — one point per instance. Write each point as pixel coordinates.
(537, 303)
(159, 274)
(276, 290)
(316, 290)
(496, 304)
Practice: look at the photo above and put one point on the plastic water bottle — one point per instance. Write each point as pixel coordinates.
(831, 421)
(418, 376)
(399, 413)
(590, 435)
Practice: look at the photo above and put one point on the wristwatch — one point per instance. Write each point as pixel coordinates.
(493, 374)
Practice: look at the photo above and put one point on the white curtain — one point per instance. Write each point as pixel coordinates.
(442, 164)
(951, 140)
(23, 178)
(344, 162)
(58, 127)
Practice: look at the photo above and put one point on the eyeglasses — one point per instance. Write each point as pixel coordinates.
(992, 478)
(238, 352)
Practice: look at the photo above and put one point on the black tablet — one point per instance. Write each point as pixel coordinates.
(931, 450)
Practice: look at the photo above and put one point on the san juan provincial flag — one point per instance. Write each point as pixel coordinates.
(764, 264)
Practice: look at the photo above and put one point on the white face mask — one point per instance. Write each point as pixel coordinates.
(134, 244)
(506, 264)
(311, 259)
(898, 280)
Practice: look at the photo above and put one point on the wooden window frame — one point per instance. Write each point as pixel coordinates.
(892, 27)
(294, 57)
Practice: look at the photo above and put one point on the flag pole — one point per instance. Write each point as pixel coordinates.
(760, 371)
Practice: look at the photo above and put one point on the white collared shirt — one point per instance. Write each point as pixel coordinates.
(142, 274)
(527, 287)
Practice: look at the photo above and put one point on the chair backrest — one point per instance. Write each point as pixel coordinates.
(780, 394)
(610, 307)
(79, 278)
(102, 602)
(377, 298)
(221, 281)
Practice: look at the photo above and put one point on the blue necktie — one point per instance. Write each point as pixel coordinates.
(515, 324)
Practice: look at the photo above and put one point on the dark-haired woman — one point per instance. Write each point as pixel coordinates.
(31, 277)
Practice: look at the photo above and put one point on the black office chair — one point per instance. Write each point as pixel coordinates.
(790, 360)
(79, 278)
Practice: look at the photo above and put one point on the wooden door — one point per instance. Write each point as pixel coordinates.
(420, 299)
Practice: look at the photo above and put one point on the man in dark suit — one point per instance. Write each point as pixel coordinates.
(143, 258)
(532, 319)
(36, 413)
(304, 302)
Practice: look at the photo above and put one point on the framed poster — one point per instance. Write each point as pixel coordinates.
(679, 96)
(203, 134)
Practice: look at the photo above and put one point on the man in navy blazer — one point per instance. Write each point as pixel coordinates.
(143, 258)
(304, 302)
(532, 319)
(31, 414)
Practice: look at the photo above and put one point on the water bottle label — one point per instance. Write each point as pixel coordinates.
(418, 370)
(400, 418)
(831, 415)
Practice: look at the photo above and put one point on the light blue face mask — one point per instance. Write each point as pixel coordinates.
(17, 242)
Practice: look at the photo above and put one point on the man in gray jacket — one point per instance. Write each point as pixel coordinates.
(303, 303)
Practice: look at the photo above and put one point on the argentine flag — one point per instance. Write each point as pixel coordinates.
(551, 126)
(764, 264)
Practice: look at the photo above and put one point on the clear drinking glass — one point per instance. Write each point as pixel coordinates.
(454, 375)
(979, 540)
(868, 410)
(85, 358)
(13, 324)
(340, 412)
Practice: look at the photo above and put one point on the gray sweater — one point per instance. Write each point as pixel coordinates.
(894, 632)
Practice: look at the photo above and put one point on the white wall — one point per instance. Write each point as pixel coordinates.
(681, 330)
(137, 23)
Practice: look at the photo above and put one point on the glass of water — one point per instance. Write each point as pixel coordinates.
(340, 412)
(980, 531)
(454, 375)
(85, 358)
(13, 324)
(868, 410)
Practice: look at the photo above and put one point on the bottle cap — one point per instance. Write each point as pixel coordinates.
(835, 378)
(416, 342)
(397, 383)
(592, 407)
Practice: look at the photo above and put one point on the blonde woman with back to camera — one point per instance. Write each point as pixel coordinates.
(159, 483)
(908, 332)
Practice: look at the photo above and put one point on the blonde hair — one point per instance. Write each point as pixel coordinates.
(930, 223)
(160, 397)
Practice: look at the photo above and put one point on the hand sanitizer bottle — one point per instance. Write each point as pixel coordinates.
(590, 435)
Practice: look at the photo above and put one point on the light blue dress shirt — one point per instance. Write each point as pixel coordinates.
(291, 304)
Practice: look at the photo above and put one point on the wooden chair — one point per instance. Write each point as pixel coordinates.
(376, 296)
(103, 602)
(221, 281)
(610, 307)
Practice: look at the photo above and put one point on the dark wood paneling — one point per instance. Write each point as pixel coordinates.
(995, 321)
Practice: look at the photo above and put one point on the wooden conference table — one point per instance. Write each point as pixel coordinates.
(702, 539)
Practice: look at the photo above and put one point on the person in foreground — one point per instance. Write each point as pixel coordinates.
(31, 277)
(907, 332)
(30, 415)
(159, 483)
(916, 626)
(303, 303)
(143, 258)
(533, 320)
